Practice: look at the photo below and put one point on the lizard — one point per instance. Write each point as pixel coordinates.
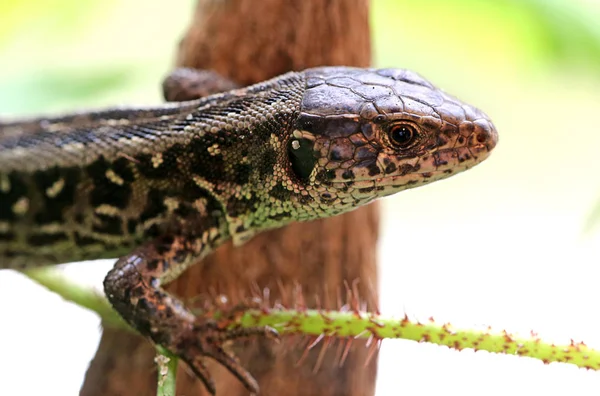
(160, 187)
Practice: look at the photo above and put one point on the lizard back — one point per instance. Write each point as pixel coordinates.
(93, 185)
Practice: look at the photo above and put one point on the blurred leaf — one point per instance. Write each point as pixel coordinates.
(570, 28)
(48, 16)
(593, 220)
(51, 88)
(556, 32)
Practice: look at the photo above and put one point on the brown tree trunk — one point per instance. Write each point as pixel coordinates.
(249, 41)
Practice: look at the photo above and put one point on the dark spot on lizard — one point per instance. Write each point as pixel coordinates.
(267, 163)
(304, 199)
(152, 266)
(191, 192)
(81, 240)
(108, 225)
(341, 149)
(164, 244)
(155, 205)
(441, 141)
(97, 169)
(106, 191)
(153, 231)
(11, 253)
(337, 154)
(373, 169)
(184, 210)
(17, 190)
(238, 206)
(348, 175)
(210, 167)
(166, 169)
(46, 239)
(406, 169)
(111, 246)
(325, 196)
(8, 236)
(390, 168)
(437, 161)
(122, 167)
(132, 226)
(241, 173)
(280, 192)
(53, 206)
(142, 303)
(325, 176)
(240, 228)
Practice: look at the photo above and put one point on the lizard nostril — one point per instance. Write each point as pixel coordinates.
(486, 133)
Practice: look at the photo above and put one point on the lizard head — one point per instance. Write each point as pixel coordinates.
(363, 134)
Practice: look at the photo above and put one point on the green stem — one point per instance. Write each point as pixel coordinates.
(167, 372)
(351, 325)
(54, 280)
(363, 325)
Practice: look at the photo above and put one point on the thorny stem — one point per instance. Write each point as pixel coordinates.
(324, 324)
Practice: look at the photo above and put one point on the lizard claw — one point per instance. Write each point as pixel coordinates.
(206, 339)
(201, 371)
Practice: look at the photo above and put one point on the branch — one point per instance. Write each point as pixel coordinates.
(349, 325)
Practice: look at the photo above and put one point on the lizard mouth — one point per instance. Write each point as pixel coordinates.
(390, 184)
(441, 162)
(438, 165)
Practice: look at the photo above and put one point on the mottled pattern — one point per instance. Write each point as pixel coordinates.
(105, 184)
(162, 187)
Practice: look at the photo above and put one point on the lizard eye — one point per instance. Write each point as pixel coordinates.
(402, 135)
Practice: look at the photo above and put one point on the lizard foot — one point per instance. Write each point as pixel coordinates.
(206, 339)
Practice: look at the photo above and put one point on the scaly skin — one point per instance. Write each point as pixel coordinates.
(162, 187)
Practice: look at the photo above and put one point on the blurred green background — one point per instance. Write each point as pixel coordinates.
(514, 242)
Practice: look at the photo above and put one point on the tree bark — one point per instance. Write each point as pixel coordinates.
(250, 41)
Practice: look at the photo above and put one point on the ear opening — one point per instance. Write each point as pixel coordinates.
(302, 157)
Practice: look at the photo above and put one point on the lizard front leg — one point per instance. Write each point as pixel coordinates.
(133, 287)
